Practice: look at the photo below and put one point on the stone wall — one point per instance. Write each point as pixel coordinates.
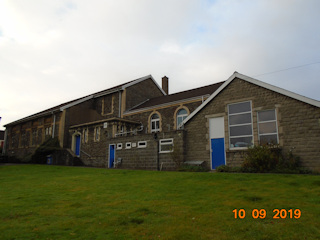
(140, 92)
(167, 115)
(298, 124)
(96, 153)
(24, 138)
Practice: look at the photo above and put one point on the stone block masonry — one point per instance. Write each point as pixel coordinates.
(298, 124)
(135, 151)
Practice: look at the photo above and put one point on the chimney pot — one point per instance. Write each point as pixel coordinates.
(165, 84)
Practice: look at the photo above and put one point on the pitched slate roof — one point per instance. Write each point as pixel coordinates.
(258, 83)
(177, 97)
(66, 105)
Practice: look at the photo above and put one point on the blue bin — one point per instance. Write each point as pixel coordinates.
(49, 159)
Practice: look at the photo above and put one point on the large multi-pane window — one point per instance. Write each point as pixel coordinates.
(181, 115)
(240, 124)
(267, 127)
(155, 123)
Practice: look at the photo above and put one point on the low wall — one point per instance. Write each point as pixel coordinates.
(146, 156)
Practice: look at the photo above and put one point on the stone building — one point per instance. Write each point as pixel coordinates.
(139, 125)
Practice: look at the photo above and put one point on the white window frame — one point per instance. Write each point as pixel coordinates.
(128, 145)
(119, 146)
(85, 135)
(165, 142)
(97, 134)
(153, 130)
(142, 144)
(235, 125)
(183, 116)
(269, 121)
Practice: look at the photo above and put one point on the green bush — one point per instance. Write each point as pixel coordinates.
(269, 158)
(46, 148)
(223, 168)
(262, 158)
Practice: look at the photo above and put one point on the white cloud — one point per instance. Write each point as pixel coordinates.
(55, 51)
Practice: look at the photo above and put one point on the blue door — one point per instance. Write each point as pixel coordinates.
(111, 155)
(218, 153)
(78, 145)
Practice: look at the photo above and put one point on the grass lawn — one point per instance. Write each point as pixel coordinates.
(56, 202)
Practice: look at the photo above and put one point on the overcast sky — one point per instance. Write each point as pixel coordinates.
(55, 51)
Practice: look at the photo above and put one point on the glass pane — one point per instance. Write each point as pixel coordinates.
(155, 116)
(267, 115)
(165, 148)
(240, 142)
(179, 120)
(239, 107)
(240, 119)
(269, 127)
(265, 139)
(157, 124)
(182, 111)
(241, 130)
(166, 141)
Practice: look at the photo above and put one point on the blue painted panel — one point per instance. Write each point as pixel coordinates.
(78, 145)
(111, 156)
(218, 153)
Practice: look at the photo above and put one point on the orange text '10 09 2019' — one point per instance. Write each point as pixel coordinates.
(262, 213)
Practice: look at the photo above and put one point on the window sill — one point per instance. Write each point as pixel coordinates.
(237, 149)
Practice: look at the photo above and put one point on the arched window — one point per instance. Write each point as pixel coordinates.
(181, 115)
(155, 123)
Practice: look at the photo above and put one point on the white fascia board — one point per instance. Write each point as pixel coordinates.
(122, 87)
(142, 79)
(165, 104)
(135, 82)
(129, 85)
(279, 90)
(164, 93)
(106, 93)
(213, 95)
(34, 116)
(76, 102)
(258, 83)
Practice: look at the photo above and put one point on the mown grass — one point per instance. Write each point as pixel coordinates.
(56, 202)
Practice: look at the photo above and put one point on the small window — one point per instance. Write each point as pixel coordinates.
(181, 115)
(267, 126)
(128, 145)
(97, 134)
(119, 146)
(166, 145)
(142, 144)
(34, 137)
(48, 131)
(240, 125)
(155, 123)
(85, 135)
(120, 130)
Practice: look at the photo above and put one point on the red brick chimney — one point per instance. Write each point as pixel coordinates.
(165, 84)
